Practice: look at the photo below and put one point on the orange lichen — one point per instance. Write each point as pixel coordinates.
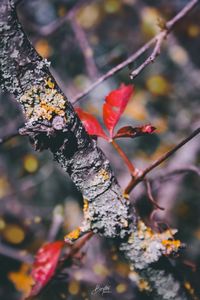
(126, 196)
(149, 246)
(49, 83)
(190, 289)
(144, 232)
(104, 174)
(85, 205)
(171, 245)
(43, 101)
(47, 110)
(143, 285)
(73, 235)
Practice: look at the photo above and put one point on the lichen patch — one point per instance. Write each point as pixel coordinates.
(43, 101)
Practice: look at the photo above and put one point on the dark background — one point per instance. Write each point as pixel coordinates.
(39, 203)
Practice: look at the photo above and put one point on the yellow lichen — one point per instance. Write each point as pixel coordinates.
(126, 196)
(43, 101)
(144, 232)
(171, 245)
(85, 205)
(190, 289)
(143, 285)
(124, 222)
(49, 82)
(148, 240)
(73, 235)
(104, 174)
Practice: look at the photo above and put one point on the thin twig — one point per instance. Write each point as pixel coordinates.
(158, 39)
(14, 254)
(142, 174)
(85, 47)
(80, 243)
(55, 25)
(79, 34)
(150, 195)
(114, 70)
(176, 172)
(57, 221)
(162, 36)
(17, 2)
(156, 52)
(8, 137)
(171, 23)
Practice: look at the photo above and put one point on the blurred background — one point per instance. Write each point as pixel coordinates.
(39, 203)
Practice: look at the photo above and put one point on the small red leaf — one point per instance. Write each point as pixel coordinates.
(45, 264)
(132, 132)
(115, 105)
(90, 123)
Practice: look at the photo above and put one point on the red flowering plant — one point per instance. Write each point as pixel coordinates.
(47, 257)
(113, 108)
(45, 265)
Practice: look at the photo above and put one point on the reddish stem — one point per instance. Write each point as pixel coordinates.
(140, 177)
(127, 161)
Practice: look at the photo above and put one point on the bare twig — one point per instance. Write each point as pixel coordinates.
(18, 2)
(15, 254)
(55, 25)
(8, 137)
(150, 195)
(79, 34)
(79, 244)
(142, 174)
(181, 171)
(114, 70)
(85, 47)
(57, 221)
(170, 24)
(162, 36)
(158, 39)
(156, 52)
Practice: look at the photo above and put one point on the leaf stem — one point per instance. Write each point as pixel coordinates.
(127, 161)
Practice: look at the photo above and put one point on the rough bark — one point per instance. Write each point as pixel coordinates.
(52, 124)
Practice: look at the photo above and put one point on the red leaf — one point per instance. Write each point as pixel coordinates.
(132, 132)
(90, 123)
(45, 264)
(115, 105)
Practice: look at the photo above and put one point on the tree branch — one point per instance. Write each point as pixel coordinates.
(84, 46)
(16, 254)
(150, 195)
(52, 124)
(157, 40)
(142, 174)
(8, 137)
(162, 36)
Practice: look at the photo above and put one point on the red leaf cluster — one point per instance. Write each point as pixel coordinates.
(45, 264)
(90, 123)
(115, 105)
(113, 108)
